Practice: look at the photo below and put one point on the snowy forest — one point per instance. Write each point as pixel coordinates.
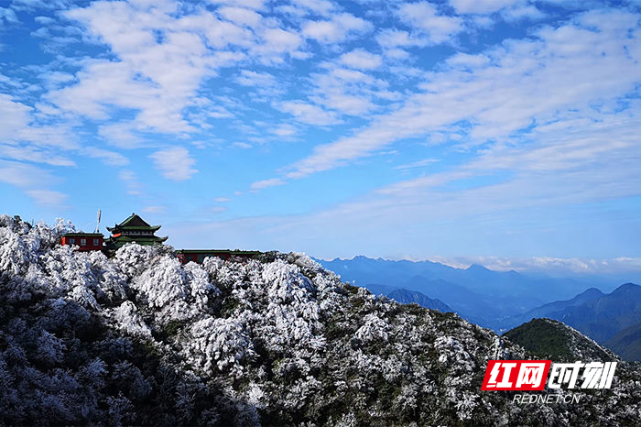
(141, 339)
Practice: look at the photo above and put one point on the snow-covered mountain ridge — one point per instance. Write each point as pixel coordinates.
(141, 339)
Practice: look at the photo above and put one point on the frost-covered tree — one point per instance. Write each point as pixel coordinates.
(138, 338)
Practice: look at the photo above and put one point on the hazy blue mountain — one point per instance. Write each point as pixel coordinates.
(482, 309)
(540, 289)
(405, 296)
(480, 295)
(604, 317)
(377, 289)
(549, 309)
(627, 343)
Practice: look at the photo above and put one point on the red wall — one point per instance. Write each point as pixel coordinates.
(64, 241)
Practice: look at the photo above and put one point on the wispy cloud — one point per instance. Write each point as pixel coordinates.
(174, 163)
(337, 29)
(481, 7)
(416, 164)
(14, 116)
(309, 113)
(35, 181)
(252, 78)
(110, 158)
(48, 197)
(489, 122)
(548, 265)
(273, 182)
(361, 59)
(560, 72)
(130, 179)
(153, 209)
(424, 18)
(24, 175)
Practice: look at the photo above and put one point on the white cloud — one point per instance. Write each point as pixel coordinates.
(284, 130)
(8, 15)
(253, 78)
(392, 39)
(32, 5)
(243, 145)
(361, 59)
(48, 197)
(321, 7)
(481, 7)
(153, 209)
(240, 15)
(174, 163)
(277, 44)
(24, 175)
(130, 179)
(222, 199)
(522, 12)
(548, 265)
(250, 4)
(121, 134)
(31, 154)
(110, 158)
(34, 181)
(416, 164)
(14, 116)
(308, 113)
(423, 17)
(562, 70)
(348, 91)
(336, 30)
(160, 62)
(218, 209)
(464, 60)
(273, 182)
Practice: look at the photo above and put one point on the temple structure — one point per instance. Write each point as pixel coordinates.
(136, 230)
(133, 229)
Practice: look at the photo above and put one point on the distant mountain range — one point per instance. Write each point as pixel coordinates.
(552, 310)
(604, 317)
(613, 320)
(407, 297)
(480, 295)
(505, 300)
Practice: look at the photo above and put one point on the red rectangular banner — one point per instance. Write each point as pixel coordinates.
(526, 375)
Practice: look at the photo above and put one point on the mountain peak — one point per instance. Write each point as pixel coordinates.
(626, 288)
(591, 292)
(477, 267)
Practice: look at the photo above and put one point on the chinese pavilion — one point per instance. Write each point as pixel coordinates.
(133, 229)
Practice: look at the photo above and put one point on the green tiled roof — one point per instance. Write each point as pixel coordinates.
(134, 223)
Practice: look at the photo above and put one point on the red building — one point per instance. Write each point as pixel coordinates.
(84, 241)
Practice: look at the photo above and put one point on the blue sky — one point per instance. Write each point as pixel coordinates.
(504, 132)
